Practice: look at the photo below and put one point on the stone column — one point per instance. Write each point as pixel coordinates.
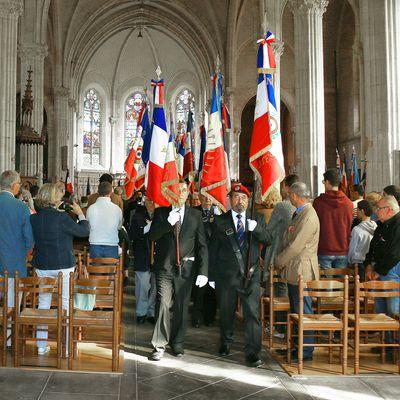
(62, 135)
(112, 120)
(10, 11)
(309, 75)
(380, 31)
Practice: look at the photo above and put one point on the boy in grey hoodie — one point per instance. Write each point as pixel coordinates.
(361, 234)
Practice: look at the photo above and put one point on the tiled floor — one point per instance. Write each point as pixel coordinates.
(200, 374)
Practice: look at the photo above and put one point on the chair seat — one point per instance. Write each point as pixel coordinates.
(319, 320)
(375, 321)
(34, 315)
(279, 303)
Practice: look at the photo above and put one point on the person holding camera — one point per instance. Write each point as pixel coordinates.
(53, 232)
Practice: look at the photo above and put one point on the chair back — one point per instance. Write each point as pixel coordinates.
(94, 286)
(374, 289)
(107, 270)
(274, 277)
(30, 287)
(324, 289)
(338, 274)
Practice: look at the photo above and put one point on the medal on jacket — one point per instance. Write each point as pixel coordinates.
(229, 231)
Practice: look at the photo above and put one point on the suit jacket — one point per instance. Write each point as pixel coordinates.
(140, 241)
(192, 242)
(298, 253)
(225, 266)
(280, 220)
(54, 232)
(16, 237)
(207, 224)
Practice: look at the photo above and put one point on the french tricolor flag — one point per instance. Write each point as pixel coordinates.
(188, 164)
(266, 156)
(162, 175)
(215, 174)
(180, 158)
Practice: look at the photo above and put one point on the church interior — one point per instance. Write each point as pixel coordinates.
(73, 77)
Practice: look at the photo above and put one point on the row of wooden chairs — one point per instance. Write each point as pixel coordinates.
(100, 278)
(346, 322)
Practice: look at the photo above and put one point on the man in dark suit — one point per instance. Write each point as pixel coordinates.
(145, 290)
(228, 263)
(204, 299)
(171, 227)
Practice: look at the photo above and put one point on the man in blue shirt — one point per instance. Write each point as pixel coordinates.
(16, 237)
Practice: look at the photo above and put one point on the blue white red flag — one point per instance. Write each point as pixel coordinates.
(146, 134)
(68, 183)
(226, 117)
(265, 57)
(180, 158)
(188, 165)
(266, 155)
(215, 180)
(162, 175)
(354, 168)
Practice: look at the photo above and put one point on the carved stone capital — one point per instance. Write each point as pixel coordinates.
(32, 51)
(317, 7)
(61, 92)
(357, 50)
(278, 48)
(112, 120)
(11, 8)
(72, 103)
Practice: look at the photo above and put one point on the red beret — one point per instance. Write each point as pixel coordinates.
(239, 188)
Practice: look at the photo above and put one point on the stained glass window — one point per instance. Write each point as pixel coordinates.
(133, 106)
(91, 128)
(184, 102)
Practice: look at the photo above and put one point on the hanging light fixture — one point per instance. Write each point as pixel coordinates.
(140, 33)
(140, 36)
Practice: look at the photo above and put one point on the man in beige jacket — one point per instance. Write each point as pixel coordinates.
(298, 253)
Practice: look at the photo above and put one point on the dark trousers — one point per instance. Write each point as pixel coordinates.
(294, 308)
(204, 304)
(172, 291)
(250, 302)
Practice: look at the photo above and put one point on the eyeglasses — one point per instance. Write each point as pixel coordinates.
(381, 208)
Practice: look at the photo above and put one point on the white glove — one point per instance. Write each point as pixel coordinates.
(173, 217)
(217, 211)
(251, 224)
(201, 280)
(147, 227)
(212, 284)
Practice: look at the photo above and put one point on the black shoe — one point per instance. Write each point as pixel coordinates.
(177, 351)
(156, 355)
(208, 323)
(224, 350)
(295, 358)
(141, 319)
(152, 320)
(196, 323)
(253, 361)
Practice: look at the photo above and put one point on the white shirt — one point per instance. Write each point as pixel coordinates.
(235, 218)
(105, 218)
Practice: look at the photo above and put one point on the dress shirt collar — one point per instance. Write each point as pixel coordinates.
(7, 191)
(298, 209)
(104, 199)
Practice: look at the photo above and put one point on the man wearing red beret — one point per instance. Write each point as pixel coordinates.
(227, 266)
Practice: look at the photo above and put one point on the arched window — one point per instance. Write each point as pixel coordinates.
(133, 106)
(184, 102)
(91, 128)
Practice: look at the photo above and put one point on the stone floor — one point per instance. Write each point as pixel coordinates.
(200, 374)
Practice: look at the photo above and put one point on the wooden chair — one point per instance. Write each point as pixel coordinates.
(335, 304)
(373, 322)
(320, 322)
(105, 269)
(273, 305)
(101, 320)
(5, 315)
(30, 316)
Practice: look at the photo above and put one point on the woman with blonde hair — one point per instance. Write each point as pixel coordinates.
(53, 232)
